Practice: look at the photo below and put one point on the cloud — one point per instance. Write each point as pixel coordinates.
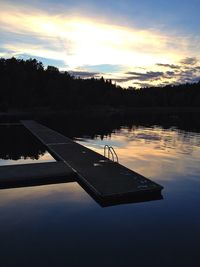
(123, 79)
(142, 84)
(84, 41)
(170, 73)
(89, 46)
(84, 74)
(140, 78)
(189, 61)
(150, 75)
(177, 74)
(171, 66)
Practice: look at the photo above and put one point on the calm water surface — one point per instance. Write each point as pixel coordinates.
(19, 146)
(61, 225)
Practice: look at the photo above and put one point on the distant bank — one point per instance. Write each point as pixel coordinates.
(97, 112)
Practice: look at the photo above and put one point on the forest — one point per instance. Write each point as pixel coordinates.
(27, 84)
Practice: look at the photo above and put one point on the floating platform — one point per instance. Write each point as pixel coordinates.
(35, 174)
(103, 178)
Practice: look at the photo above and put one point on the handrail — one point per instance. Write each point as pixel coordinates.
(111, 152)
(112, 149)
(106, 147)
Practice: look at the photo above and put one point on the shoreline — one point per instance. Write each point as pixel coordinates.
(93, 111)
(101, 120)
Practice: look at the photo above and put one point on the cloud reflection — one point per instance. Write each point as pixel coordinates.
(154, 152)
(68, 193)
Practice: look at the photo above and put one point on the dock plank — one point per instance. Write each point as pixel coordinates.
(105, 178)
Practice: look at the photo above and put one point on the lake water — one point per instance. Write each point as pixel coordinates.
(19, 146)
(61, 225)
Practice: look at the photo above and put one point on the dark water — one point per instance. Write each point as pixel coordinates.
(61, 225)
(18, 146)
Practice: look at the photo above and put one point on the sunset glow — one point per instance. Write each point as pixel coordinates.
(151, 151)
(82, 43)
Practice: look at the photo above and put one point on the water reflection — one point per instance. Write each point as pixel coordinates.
(61, 225)
(153, 151)
(18, 146)
(89, 126)
(69, 192)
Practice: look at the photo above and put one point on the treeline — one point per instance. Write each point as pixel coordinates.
(27, 84)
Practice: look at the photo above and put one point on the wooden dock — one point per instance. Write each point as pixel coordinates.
(104, 178)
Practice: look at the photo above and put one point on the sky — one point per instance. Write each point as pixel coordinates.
(134, 43)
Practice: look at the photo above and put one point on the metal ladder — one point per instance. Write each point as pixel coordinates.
(110, 153)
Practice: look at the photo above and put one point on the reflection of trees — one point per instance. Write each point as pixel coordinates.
(16, 143)
(162, 135)
(103, 126)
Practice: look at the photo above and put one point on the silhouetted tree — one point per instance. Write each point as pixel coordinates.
(26, 84)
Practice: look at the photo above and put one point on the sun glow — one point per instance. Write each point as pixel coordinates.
(80, 41)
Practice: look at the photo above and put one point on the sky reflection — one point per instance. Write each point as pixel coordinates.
(70, 193)
(61, 225)
(155, 152)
